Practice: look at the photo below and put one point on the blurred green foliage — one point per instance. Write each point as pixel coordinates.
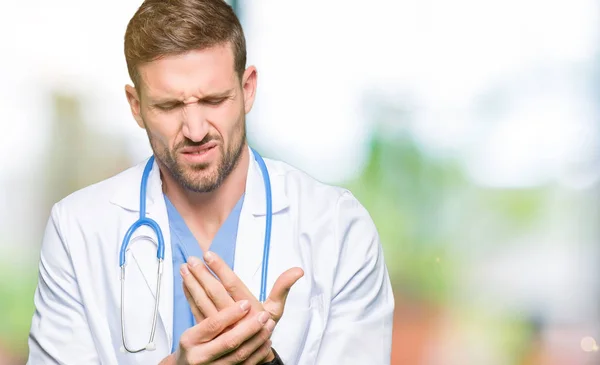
(17, 285)
(429, 214)
(405, 193)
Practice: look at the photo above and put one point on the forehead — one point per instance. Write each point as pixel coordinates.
(194, 73)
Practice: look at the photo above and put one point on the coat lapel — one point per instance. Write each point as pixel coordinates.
(251, 231)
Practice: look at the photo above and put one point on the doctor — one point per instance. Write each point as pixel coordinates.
(297, 273)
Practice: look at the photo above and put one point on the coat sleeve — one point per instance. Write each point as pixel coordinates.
(59, 330)
(359, 326)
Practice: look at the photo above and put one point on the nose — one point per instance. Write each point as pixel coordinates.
(195, 124)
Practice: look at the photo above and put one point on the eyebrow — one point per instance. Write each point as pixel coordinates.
(218, 95)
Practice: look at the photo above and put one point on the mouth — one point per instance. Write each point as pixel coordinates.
(199, 150)
(200, 155)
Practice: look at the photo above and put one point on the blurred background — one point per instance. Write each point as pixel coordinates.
(469, 129)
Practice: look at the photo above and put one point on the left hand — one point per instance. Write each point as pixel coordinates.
(207, 295)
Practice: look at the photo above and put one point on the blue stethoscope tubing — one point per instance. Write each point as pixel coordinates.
(160, 252)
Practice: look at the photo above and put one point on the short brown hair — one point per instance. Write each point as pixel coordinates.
(170, 27)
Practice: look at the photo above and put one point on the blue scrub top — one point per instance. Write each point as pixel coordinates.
(184, 245)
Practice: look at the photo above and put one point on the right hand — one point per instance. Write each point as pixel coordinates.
(244, 343)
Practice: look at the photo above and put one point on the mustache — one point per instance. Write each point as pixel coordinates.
(189, 143)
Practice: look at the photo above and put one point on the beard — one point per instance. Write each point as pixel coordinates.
(204, 177)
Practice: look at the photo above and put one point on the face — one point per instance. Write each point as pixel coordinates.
(193, 108)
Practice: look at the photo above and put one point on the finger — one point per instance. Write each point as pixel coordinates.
(252, 348)
(261, 355)
(231, 340)
(230, 281)
(198, 316)
(278, 295)
(212, 287)
(200, 299)
(211, 327)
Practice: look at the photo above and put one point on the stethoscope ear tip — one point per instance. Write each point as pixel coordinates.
(151, 346)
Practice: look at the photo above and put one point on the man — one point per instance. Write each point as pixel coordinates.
(329, 300)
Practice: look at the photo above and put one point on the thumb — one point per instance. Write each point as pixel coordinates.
(276, 301)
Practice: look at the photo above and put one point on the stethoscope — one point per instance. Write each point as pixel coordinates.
(160, 253)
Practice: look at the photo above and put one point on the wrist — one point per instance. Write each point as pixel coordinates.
(273, 359)
(169, 360)
(270, 357)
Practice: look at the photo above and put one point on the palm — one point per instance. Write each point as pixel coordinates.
(275, 303)
(275, 308)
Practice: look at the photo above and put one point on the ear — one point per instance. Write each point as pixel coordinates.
(134, 103)
(249, 87)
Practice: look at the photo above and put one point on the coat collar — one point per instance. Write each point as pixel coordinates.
(127, 195)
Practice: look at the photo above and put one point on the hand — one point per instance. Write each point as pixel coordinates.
(211, 295)
(208, 296)
(207, 343)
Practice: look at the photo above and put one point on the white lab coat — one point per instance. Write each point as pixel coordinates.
(340, 312)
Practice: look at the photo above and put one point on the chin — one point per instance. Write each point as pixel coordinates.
(200, 179)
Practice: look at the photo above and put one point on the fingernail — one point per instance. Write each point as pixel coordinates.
(270, 325)
(193, 261)
(263, 317)
(184, 269)
(208, 257)
(244, 305)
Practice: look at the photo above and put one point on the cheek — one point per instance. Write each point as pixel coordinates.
(164, 129)
(223, 116)
(227, 119)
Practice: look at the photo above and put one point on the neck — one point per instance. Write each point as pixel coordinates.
(204, 213)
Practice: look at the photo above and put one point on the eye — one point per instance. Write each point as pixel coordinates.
(167, 107)
(213, 101)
